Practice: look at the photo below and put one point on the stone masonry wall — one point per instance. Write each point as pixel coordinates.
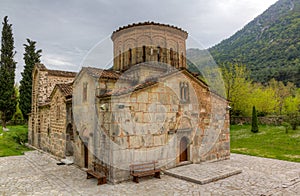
(58, 117)
(166, 42)
(43, 85)
(142, 126)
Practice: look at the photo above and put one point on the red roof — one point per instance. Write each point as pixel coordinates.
(61, 73)
(123, 91)
(104, 73)
(66, 88)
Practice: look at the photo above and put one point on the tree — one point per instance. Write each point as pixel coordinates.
(18, 114)
(31, 56)
(8, 100)
(238, 88)
(265, 100)
(254, 127)
(282, 92)
(292, 110)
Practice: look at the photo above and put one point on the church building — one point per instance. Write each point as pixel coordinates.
(147, 107)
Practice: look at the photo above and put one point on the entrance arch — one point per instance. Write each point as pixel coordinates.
(183, 146)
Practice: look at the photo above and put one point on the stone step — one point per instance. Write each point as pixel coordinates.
(203, 173)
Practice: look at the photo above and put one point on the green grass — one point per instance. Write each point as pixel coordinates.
(269, 142)
(10, 141)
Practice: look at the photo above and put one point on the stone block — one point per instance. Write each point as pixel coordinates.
(142, 97)
(147, 140)
(159, 140)
(135, 141)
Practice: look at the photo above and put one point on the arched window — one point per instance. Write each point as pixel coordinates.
(84, 92)
(158, 53)
(171, 56)
(120, 60)
(57, 109)
(130, 56)
(182, 59)
(184, 92)
(144, 53)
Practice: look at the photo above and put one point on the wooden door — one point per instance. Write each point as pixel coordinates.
(183, 150)
(86, 156)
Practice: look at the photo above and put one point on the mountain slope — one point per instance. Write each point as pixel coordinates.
(269, 45)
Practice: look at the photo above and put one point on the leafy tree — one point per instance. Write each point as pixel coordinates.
(254, 127)
(238, 87)
(292, 110)
(18, 114)
(265, 99)
(31, 56)
(282, 92)
(8, 100)
(269, 45)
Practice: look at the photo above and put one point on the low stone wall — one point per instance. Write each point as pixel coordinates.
(272, 120)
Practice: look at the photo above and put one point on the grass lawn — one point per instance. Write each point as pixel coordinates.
(270, 142)
(10, 141)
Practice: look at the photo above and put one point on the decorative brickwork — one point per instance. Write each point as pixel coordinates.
(48, 119)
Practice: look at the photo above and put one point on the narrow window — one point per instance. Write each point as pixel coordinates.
(181, 91)
(158, 53)
(171, 56)
(57, 109)
(130, 56)
(120, 60)
(182, 59)
(84, 96)
(144, 53)
(184, 91)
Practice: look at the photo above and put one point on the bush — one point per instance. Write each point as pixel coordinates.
(254, 127)
(20, 137)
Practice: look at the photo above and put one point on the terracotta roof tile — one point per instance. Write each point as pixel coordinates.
(66, 89)
(61, 73)
(147, 23)
(123, 91)
(104, 73)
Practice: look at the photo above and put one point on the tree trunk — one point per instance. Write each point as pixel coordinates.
(3, 124)
(3, 120)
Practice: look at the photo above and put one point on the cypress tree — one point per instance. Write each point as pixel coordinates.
(31, 56)
(8, 100)
(254, 127)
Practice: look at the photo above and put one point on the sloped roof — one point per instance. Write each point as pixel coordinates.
(104, 73)
(152, 81)
(61, 73)
(123, 91)
(51, 72)
(66, 88)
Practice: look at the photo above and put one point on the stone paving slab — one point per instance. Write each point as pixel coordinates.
(36, 173)
(203, 173)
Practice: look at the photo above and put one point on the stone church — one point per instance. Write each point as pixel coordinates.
(147, 107)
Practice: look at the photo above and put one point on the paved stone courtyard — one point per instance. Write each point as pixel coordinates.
(36, 173)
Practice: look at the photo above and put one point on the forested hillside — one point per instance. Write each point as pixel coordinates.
(269, 45)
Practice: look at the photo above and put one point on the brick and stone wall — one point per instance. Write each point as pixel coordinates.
(266, 120)
(45, 132)
(149, 42)
(149, 124)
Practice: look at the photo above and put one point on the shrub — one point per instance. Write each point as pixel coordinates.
(254, 127)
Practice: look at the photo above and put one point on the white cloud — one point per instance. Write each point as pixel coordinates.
(66, 30)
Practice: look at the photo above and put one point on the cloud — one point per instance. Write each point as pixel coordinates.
(67, 30)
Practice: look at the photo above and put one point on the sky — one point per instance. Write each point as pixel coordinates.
(68, 30)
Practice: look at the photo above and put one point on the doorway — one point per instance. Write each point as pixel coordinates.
(69, 140)
(183, 149)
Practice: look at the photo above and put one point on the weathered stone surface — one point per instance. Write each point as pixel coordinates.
(37, 174)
